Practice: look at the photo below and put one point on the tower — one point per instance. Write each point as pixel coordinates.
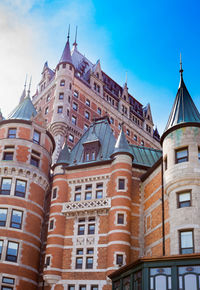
(64, 78)
(181, 163)
(25, 155)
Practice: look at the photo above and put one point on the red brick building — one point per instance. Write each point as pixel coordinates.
(108, 198)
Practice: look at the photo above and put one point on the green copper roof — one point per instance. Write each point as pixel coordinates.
(121, 145)
(24, 111)
(145, 156)
(108, 145)
(184, 109)
(92, 137)
(64, 156)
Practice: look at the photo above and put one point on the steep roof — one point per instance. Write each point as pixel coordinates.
(66, 55)
(121, 145)
(24, 111)
(184, 110)
(103, 134)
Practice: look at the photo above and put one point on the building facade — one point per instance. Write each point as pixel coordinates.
(86, 188)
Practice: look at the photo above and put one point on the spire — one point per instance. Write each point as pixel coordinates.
(121, 145)
(23, 96)
(64, 156)
(184, 110)
(75, 41)
(66, 55)
(29, 87)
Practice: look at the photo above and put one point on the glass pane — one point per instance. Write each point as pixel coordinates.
(161, 283)
(1, 245)
(6, 184)
(3, 216)
(169, 283)
(184, 197)
(186, 239)
(180, 283)
(156, 271)
(8, 280)
(12, 248)
(151, 283)
(181, 153)
(16, 219)
(21, 186)
(190, 282)
(99, 194)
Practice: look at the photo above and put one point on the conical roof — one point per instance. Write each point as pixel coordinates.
(24, 111)
(184, 111)
(64, 156)
(66, 55)
(121, 145)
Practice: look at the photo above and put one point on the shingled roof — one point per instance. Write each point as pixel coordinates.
(24, 111)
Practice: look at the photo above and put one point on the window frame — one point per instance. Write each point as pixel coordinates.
(12, 222)
(2, 179)
(180, 241)
(118, 257)
(62, 83)
(120, 187)
(7, 255)
(8, 153)
(181, 159)
(60, 110)
(11, 134)
(36, 141)
(181, 204)
(20, 193)
(61, 96)
(3, 222)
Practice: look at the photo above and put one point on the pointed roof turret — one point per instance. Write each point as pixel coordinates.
(121, 145)
(64, 156)
(66, 55)
(45, 66)
(184, 111)
(24, 111)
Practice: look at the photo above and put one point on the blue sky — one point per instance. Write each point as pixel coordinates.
(144, 38)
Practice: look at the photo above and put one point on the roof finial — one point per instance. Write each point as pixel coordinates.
(25, 82)
(75, 43)
(29, 88)
(181, 69)
(126, 77)
(68, 33)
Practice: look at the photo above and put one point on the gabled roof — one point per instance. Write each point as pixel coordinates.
(92, 137)
(183, 111)
(24, 111)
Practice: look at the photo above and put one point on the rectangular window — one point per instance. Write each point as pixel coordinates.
(12, 251)
(87, 102)
(94, 287)
(79, 263)
(3, 216)
(1, 247)
(121, 183)
(128, 132)
(71, 287)
(135, 138)
(90, 251)
(60, 110)
(8, 156)
(81, 229)
(20, 188)
(99, 194)
(76, 94)
(111, 120)
(8, 280)
(79, 251)
(186, 242)
(6, 186)
(184, 199)
(181, 155)
(75, 107)
(99, 111)
(48, 260)
(88, 195)
(36, 137)
(91, 229)
(16, 219)
(85, 127)
(87, 115)
(61, 96)
(199, 153)
(71, 138)
(51, 224)
(119, 259)
(54, 193)
(34, 161)
(120, 218)
(12, 133)
(82, 287)
(74, 120)
(165, 163)
(89, 262)
(62, 83)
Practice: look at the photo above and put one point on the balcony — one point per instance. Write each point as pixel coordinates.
(92, 206)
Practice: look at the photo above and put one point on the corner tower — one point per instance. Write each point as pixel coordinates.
(64, 80)
(181, 168)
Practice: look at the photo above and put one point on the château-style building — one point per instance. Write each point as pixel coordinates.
(90, 195)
